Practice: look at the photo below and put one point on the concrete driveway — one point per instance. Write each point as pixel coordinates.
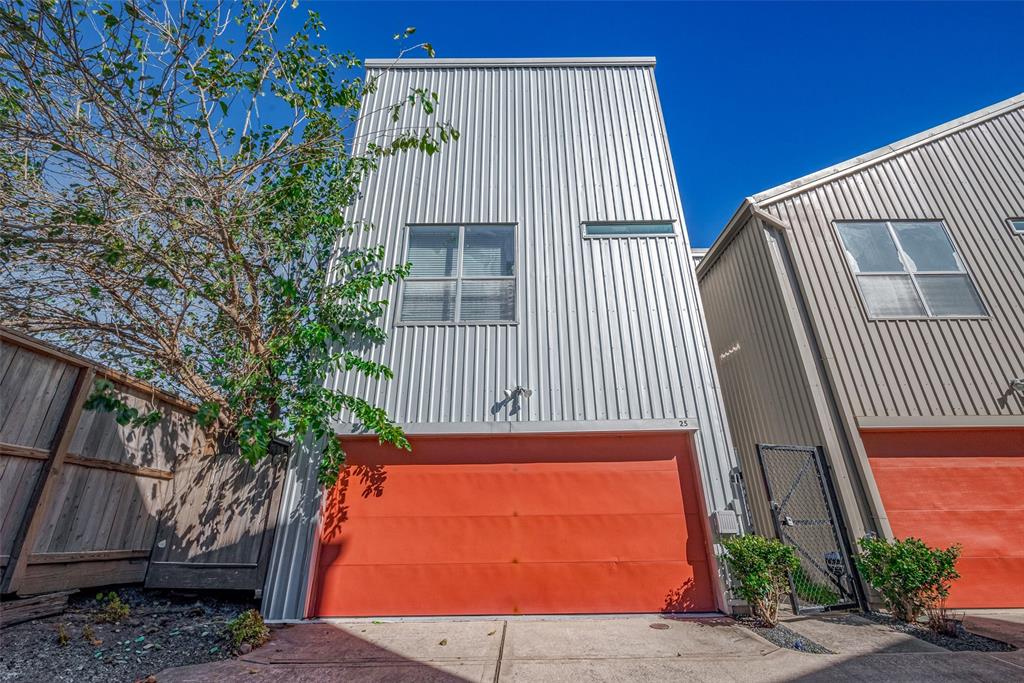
(635, 648)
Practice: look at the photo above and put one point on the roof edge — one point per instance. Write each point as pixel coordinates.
(875, 156)
(484, 62)
(751, 204)
(726, 236)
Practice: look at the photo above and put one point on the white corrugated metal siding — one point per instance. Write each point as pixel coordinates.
(608, 329)
(544, 149)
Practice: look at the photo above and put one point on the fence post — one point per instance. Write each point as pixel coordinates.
(46, 483)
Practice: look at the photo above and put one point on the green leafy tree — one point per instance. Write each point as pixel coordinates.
(172, 185)
(911, 576)
(761, 567)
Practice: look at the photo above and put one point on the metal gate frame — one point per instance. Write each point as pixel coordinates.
(824, 472)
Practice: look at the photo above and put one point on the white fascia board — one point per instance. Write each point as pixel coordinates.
(530, 427)
(428, 63)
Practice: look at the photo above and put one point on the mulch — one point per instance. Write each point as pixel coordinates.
(162, 630)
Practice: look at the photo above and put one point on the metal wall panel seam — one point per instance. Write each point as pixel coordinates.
(711, 408)
(856, 486)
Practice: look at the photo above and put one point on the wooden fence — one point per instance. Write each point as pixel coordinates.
(87, 502)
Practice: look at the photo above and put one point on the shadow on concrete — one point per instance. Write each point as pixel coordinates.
(867, 650)
(324, 652)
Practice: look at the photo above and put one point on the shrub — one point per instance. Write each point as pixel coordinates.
(62, 635)
(761, 566)
(911, 576)
(248, 629)
(112, 608)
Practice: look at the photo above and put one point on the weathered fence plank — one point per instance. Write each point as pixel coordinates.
(42, 494)
(218, 525)
(92, 515)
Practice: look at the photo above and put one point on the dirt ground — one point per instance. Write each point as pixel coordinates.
(161, 630)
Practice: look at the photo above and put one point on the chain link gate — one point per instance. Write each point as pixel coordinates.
(807, 517)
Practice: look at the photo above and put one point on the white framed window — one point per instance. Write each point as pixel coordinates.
(1016, 225)
(460, 274)
(628, 229)
(909, 269)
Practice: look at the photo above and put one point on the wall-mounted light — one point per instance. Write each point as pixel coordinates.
(1017, 385)
(518, 392)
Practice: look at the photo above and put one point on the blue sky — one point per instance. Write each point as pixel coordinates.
(754, 94)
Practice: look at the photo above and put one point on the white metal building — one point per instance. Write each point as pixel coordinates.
(551, 364)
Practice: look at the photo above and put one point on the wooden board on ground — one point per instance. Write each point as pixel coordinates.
(38, 606)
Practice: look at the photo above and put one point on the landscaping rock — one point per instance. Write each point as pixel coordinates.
(161, 631)
(784, 637)
(965, 641)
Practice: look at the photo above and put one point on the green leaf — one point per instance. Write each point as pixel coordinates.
(202, 256)
(207, 413)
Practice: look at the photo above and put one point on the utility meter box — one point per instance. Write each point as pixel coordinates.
(725, 522)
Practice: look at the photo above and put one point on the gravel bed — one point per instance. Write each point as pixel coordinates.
(965, 641)
(161, 630)
(784, 637)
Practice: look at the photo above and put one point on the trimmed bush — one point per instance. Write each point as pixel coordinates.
(911, 576)
(761, 567)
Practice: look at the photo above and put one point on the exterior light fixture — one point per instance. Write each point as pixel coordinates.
(517, 392)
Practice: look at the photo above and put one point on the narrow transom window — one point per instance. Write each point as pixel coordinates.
(460, 273)
(627, 229)
(909, 269)
(1016, 226)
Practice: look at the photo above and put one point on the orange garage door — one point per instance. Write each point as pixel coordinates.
(959, 486)
(514, 524)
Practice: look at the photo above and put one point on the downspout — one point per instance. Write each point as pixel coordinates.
(850, 440)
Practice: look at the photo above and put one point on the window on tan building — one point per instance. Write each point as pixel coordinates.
(909, 269)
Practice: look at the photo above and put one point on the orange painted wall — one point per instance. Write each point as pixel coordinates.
(504, 524)
(959, 486)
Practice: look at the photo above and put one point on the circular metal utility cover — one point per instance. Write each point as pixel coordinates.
(659, 626)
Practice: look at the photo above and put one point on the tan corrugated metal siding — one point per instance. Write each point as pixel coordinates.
(607, 330)
(764, 385)
(972, 179)
(968, 173)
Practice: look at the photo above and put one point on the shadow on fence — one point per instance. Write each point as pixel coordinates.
(87, 502)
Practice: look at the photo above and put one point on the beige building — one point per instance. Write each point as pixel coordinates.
(873, 312)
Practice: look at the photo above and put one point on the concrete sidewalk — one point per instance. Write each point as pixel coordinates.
(636, 648)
